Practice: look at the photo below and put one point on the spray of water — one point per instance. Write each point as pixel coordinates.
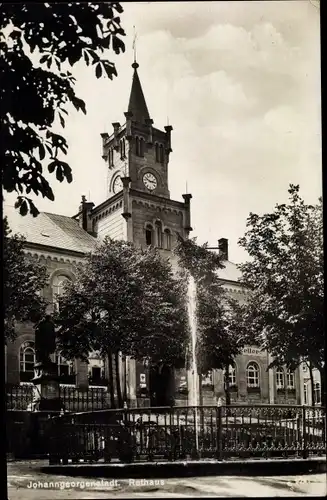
(192, 317)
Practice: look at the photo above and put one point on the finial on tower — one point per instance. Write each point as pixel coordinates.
(134, 65)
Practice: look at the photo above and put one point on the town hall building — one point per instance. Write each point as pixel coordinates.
(138, 209)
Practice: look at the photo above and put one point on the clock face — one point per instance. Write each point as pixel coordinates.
(117, 185)
(149, 181)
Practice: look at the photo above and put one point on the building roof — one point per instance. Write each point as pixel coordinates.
(58, 231)
(62, 232)
(137, 104)
(230, 272)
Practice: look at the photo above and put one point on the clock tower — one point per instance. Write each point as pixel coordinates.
(138, 207)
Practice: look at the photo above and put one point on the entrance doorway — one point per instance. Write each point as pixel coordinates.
(162, 385)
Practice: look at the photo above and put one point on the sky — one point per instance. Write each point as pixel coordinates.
(239, 81)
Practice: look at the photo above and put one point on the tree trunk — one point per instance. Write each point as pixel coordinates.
(313, 402)
(118, 384)
(226, 385)
(111, 381)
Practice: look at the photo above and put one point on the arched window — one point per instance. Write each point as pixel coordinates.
(252, 375)
(280, 378)
(290, 379)
(317, 393)
(58, 285)
(26, 361)
(167, 239)
(96, 370)
(149, 235)
(231, 374)
(157, 153)
(159, 234)
(305, 394)
(65, 368)
(161, 154)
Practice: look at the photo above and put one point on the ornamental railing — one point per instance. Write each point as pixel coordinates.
(188, 433)
(20, 397)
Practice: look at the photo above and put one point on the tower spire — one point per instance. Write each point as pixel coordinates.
(137, 104)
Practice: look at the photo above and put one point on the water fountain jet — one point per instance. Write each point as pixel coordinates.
(193, 380)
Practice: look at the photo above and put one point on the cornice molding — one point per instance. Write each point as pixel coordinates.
(38, 251)
(159, 200)
(106, 206)
(157, 206)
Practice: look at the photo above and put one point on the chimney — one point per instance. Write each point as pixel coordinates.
(84, 217)
(223, 248)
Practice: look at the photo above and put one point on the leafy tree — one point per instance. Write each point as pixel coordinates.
(38, 43)
(124, 300)
(219, 316)
(23, 283)
(285, 277)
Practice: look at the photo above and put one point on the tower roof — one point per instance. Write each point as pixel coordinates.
(137, 104)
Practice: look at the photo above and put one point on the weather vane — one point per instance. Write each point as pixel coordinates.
(134, 43)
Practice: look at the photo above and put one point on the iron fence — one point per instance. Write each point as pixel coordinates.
(188, 433)
(20, 397)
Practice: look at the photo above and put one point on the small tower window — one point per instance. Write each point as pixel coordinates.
(159, 234)
(161, 153)
(122, 148)
(167, 239)
(139, 146)
(142, 147)
(111, 157)
(157, 153)
(149, 235)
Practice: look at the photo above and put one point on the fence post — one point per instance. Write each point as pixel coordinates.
(304, 437)
(219, 432)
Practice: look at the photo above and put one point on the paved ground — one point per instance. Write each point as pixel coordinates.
(24, 481)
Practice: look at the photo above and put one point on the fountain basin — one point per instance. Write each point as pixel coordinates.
(252, 467)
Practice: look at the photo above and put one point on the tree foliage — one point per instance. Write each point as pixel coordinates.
(285, 276)
(23, 284)
(38, 42)
(124, 300)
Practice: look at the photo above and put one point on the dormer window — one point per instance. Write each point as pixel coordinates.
(149, 235)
